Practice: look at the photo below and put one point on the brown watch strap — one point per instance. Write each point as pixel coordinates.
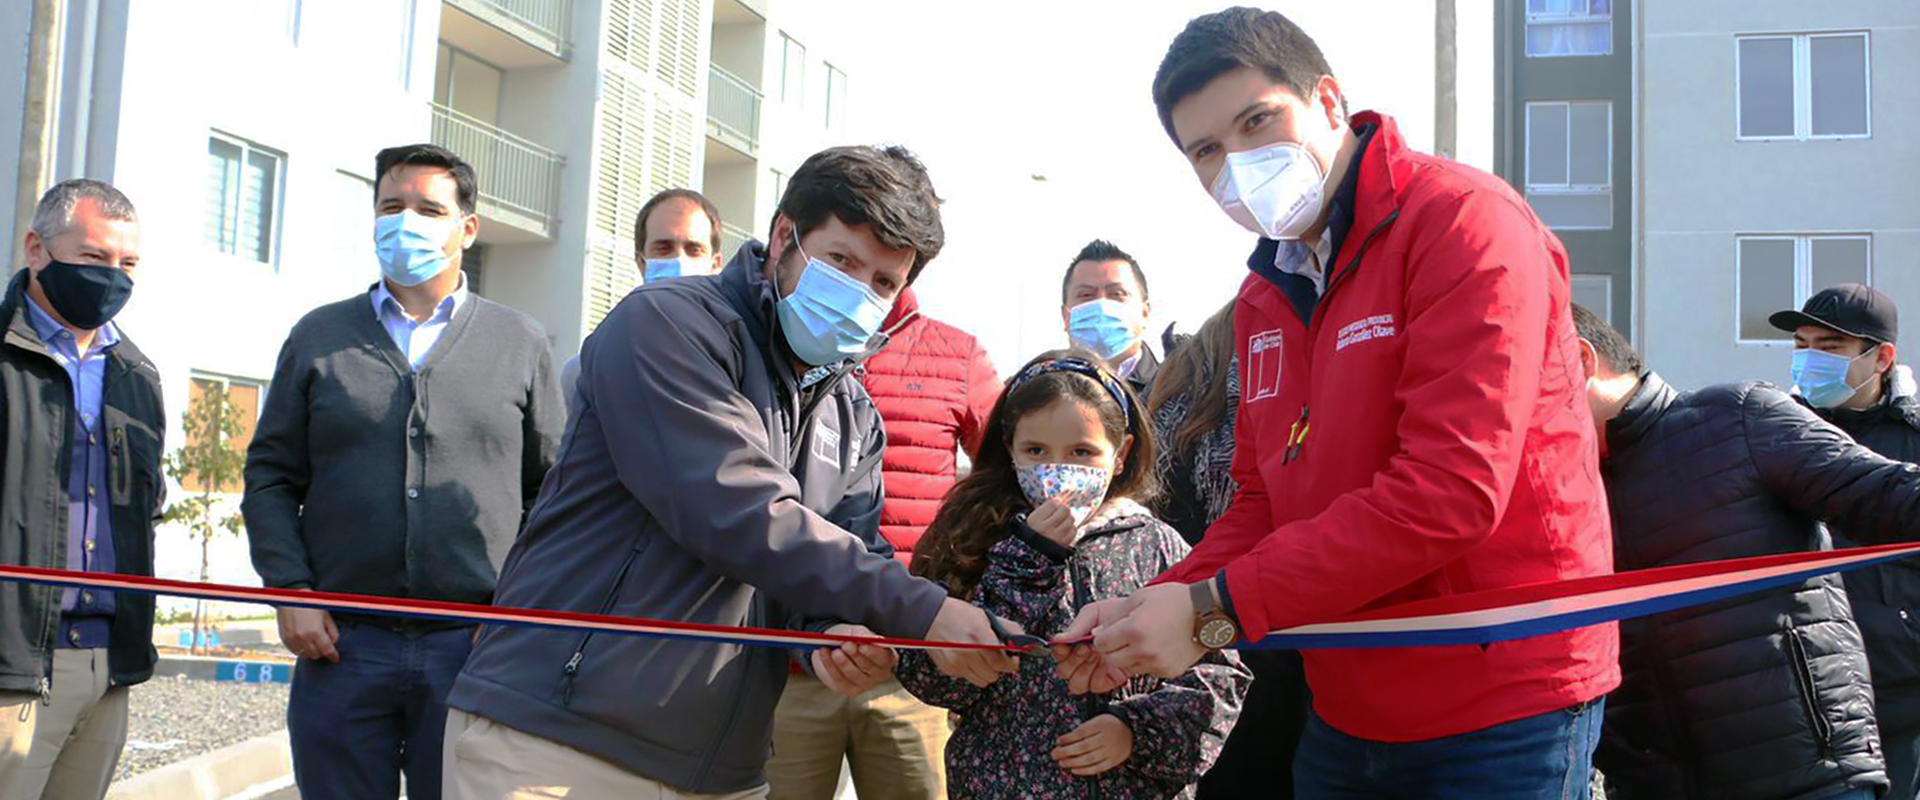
(1203, 602)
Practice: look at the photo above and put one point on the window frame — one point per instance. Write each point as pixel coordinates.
(1551, 18)
(1802, 272)
(834, 101)
(279, 196)
(226, 381)
(1606, 286)
(793, 88)
(1568, 189)
(1803, 85)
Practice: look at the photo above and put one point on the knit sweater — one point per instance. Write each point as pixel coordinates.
(367, 476)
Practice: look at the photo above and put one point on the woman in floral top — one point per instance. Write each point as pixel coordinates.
(1049, 521)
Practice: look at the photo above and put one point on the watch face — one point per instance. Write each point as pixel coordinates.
(1216, 634)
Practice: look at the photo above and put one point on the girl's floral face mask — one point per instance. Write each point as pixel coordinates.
(1079, 487)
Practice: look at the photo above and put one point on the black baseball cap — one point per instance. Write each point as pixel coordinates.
(1850, 308)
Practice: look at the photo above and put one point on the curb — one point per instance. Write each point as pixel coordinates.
(248, 769)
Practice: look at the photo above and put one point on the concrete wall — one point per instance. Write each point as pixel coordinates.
(1700, 187)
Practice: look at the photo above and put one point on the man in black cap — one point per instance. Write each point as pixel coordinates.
(1843, 363)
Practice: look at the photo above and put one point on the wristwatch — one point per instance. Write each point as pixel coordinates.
(1212, 628)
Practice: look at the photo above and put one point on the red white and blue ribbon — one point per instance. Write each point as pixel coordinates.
(1474, 618)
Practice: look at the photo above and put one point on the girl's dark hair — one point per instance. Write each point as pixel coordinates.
(1198, 367)
(974, 515)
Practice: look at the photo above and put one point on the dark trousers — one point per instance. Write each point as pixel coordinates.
(1537, 758)
(357, 725)
(1903, 762)
(1256, 760)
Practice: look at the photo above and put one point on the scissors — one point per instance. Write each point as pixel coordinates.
(1025, 644)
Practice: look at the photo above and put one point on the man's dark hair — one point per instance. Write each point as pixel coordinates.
(640, 220)
(887, 189)
(1097, 251)
(1614, 351)
(1221, 42)
(429, 155)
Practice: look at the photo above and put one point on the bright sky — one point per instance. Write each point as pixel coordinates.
(992, 92)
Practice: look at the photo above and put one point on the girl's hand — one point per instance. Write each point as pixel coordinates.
(1098, 745)
(1053, 521)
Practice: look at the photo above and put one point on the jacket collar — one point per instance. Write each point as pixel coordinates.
(904, 306)
(1649, 402)
(1892, 404)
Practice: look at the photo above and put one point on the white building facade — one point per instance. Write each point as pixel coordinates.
(244, 131)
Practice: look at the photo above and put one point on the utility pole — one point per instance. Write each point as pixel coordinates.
(38, 115)
(1445, 107)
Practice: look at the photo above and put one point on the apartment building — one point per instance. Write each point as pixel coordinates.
(245, 132)
(1769, 150)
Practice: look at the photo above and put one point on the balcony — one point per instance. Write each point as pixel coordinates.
(511, 33)
(519, 180)
(731, 238)
(733, 111)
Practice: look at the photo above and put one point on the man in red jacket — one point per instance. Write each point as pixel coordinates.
(1413, 425)
(934, 388)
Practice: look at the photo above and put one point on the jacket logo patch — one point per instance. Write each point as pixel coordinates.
(826, 443)
(1266, 354)
(1366, 330)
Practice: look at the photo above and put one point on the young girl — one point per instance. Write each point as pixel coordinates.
(1049, 521)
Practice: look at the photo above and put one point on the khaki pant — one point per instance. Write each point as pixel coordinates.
(895, 744)
(485, 760)
(64, 748)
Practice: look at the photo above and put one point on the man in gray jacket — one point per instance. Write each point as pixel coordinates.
(407, 431)
(723, 469)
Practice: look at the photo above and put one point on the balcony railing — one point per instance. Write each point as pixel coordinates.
(733, 110)
(519, 180)
(731, 238)
(540, 23)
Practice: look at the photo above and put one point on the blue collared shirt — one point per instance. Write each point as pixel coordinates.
(416, 338)
(86, 616)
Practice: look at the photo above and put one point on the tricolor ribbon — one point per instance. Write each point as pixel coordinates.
(1484, 617)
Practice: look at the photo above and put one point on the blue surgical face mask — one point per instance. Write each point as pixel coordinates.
(1821, 377)
(1106, 327)
(412, 247)
(829, 317)
(663, 268)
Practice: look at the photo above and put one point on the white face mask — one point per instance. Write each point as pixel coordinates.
(1276, 191)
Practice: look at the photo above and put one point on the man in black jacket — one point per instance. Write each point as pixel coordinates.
(1763, 696)
(80, 489)
(1856, 326)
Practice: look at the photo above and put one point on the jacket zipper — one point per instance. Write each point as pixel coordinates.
(1297, 436)
(1803, 675)
(572, 669)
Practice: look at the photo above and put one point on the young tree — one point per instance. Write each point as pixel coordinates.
(209, 461)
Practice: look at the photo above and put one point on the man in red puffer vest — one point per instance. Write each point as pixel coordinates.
(934, 387)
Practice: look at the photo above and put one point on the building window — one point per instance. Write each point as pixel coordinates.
(1570, 164)
(1569, 28)
(1595, 293)
(836, 97)
(1804, 86)
(1778, 272)
(245, 396)
(779, 185)
(467, 84)
(793, 71)
(243, 198)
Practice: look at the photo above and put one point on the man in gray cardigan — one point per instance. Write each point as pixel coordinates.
(724, 469)
(405, 433)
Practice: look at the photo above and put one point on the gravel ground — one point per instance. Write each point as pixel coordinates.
(173, 719)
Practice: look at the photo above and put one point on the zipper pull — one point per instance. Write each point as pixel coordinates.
(570, 670)
(45, 686)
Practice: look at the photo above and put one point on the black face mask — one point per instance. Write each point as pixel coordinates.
(85, 295)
